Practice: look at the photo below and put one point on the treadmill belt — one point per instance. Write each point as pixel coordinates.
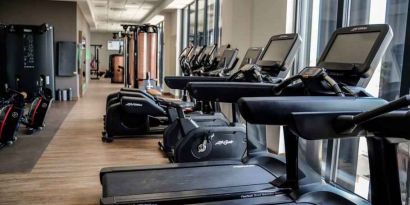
(187, 179)
(279, 199)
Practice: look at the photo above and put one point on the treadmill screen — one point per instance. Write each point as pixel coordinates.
(226, 58)
(351, 48)
(252, 54)
(278, 50)
(198, 50)
(221, 50)
(191, 53)
(186, 51)
(208, 50)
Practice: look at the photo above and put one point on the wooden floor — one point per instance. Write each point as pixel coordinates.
(67, 172)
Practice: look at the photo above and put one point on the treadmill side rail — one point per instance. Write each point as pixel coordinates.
(200, 196)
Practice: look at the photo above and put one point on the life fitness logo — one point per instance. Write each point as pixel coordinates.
(224, 142)
(134, 104)
(359, 28)
(14, 114)
(44, 105)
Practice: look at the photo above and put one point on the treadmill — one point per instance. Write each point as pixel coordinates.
(253, 55)
(259, 178)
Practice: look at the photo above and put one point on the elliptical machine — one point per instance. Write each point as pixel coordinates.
(186, 141)
(132, 112)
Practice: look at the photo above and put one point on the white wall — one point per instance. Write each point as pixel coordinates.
(269, 18)
(236, 16)
(250, 23)
(83, 26)
(170, 45)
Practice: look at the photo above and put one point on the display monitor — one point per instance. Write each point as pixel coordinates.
(251, 56)
(207, 52)
(277, 50)
(198, 50)
(191, 53)
(186, 51)
(221, 50)
(227, 58)
(352, 48)
(114, 45)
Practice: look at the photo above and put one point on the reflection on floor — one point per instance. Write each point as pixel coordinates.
(67, 172)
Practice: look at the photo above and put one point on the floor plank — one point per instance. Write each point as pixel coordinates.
(67, 172)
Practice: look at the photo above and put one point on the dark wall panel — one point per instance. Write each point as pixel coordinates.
(61, 15)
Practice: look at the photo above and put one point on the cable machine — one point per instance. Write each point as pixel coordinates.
(95, 63)
(140, 56)
(26, 56)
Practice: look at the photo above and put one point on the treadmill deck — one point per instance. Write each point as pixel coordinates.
(171, 179)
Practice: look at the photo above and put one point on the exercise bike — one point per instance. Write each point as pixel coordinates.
(11, 112)
(35, 119)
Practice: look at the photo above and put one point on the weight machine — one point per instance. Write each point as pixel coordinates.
(95, 63)
(140, 56)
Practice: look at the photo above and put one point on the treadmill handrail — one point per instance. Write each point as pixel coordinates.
(229, 92)
(181, 82)
(282, 110)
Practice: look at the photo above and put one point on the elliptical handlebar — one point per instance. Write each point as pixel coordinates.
(16, 98)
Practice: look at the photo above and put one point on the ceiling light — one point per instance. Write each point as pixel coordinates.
(178, 4)
(156, 19)
(132, 6)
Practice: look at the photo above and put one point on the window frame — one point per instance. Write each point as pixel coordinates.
(186, 19)
(302, 59)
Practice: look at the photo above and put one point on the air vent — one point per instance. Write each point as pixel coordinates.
(117, 9)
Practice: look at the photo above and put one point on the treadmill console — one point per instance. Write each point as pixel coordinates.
(353, 53)
(312, 72)
(206, 53)
(228, 58)
(279, 52)
(220, 51)
(252, 56)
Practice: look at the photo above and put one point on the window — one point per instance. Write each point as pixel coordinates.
(200, 37)
(315, 23)
(345, 162)
(184, 28)
(211, 21)
(192, 23)
(201, 23)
